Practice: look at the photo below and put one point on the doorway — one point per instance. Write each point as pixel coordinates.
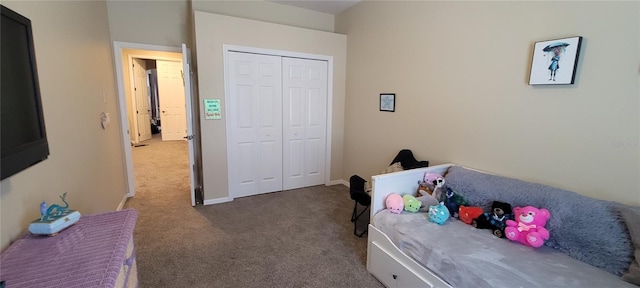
(154, 90)
(158, 97)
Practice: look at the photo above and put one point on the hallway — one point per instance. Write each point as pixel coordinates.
(161, 170)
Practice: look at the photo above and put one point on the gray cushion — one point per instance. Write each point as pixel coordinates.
(631, 216)
(584, 228)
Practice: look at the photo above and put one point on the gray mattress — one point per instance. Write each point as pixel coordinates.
(465, 256)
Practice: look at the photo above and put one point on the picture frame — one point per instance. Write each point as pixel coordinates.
(555, 62)
(388, 102)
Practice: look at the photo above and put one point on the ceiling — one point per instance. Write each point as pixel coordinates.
(327, 6)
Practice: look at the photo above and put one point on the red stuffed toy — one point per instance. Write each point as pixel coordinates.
(467, 214)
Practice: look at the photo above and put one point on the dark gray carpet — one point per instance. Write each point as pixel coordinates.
(296, 238)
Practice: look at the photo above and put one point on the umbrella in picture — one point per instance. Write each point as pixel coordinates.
(553, 46)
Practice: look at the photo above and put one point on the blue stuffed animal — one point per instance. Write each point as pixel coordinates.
(438, 213)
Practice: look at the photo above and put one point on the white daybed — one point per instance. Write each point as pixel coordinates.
(384, 260)
(406, 250)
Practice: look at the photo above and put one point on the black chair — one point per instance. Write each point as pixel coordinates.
(359, 196)
(408, 161)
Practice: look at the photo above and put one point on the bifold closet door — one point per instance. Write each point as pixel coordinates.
(255, 95)
(304, 122)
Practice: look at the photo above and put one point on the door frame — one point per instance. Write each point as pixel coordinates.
(226, 48)
(122, 101)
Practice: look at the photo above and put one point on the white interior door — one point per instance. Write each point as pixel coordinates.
(143, 117)
(186, 68)
(254, 84)
(304, 124)
(171, 89)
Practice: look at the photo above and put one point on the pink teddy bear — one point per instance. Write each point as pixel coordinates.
(528, 228)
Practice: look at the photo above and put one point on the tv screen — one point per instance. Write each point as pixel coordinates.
(23, 137)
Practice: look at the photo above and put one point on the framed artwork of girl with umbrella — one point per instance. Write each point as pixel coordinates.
(555, 61)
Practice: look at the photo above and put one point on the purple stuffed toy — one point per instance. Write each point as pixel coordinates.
(434, 181)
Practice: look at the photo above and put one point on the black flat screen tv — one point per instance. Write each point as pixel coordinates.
(23, 137)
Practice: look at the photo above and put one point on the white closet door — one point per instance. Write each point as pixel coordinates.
(304, 123)
(255, 95)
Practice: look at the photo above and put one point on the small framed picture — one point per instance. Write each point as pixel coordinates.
(388, 102)
(555, 61)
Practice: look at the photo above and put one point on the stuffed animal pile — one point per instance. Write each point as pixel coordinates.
(520, 224)
(428, 190)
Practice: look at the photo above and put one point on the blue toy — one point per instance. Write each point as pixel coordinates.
(54, 218)
(438, 213)
(53, 210)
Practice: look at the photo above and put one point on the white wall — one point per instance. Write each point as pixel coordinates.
(460, 71)
(75, 67)
(212, 31)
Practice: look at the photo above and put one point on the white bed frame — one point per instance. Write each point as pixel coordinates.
(385, 261)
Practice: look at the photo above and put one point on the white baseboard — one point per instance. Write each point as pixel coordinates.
(124, 200)
(228, 199)
(217, 201)
(338, 182)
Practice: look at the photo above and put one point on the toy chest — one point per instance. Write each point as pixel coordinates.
(98, 251)
(55, 225)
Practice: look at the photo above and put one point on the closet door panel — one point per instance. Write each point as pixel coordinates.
(316, 135)
(255, 158)
(305, 98)
(317, 122)
(269, 109)
(248, 175)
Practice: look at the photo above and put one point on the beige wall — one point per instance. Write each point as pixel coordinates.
(268, 12)
(460, 71)
(169, 23)
(75, 66)
(212, 31)
(164, 23)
